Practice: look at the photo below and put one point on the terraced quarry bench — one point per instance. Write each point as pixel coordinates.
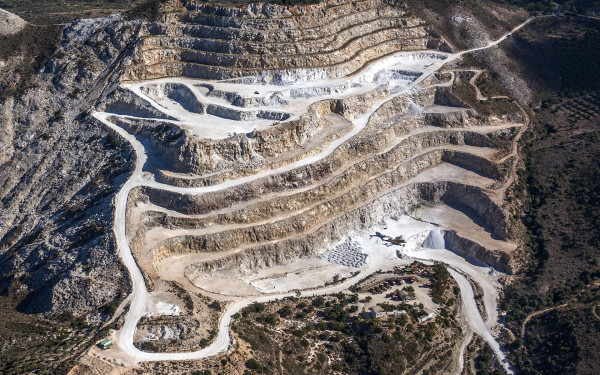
(267, 135)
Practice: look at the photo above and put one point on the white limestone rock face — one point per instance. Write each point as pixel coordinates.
(10, 23)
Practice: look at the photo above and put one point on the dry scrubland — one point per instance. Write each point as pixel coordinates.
(555, 303)
(61, 12)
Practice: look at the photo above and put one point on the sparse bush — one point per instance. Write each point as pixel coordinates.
(252, 364)
(285, 311)
(149, 346)
(215, 305)
(110, 308)
(319, 301)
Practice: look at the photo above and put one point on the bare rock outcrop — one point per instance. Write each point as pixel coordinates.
(58, 174)
(10, 23)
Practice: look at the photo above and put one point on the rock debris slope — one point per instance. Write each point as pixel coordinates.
(59, 170)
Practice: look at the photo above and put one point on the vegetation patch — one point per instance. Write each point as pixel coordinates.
(39, 344)
(48, 12)
(552, 303)
(326, 335)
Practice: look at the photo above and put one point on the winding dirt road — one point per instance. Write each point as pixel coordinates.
(538, 313)
(222, 343)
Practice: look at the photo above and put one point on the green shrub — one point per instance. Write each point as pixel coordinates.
(215, 306)
(253, 364)
(110, 308)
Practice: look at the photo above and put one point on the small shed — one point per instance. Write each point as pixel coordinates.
(105, 344)
(426, 317)
(376, 312)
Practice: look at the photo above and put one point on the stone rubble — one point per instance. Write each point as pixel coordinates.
(349, 253)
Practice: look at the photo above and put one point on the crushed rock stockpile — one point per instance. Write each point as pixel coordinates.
(348, 253)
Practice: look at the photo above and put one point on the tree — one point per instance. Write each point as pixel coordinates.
(319, 301)
(285, 311)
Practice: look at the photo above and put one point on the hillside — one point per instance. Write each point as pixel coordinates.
(558, 294)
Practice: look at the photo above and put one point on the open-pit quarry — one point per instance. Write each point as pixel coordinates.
(273, 142)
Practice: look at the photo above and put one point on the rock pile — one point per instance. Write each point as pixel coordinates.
(348, 253)
(10, 23)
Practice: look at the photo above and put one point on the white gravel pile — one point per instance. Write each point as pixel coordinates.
(349, 253)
